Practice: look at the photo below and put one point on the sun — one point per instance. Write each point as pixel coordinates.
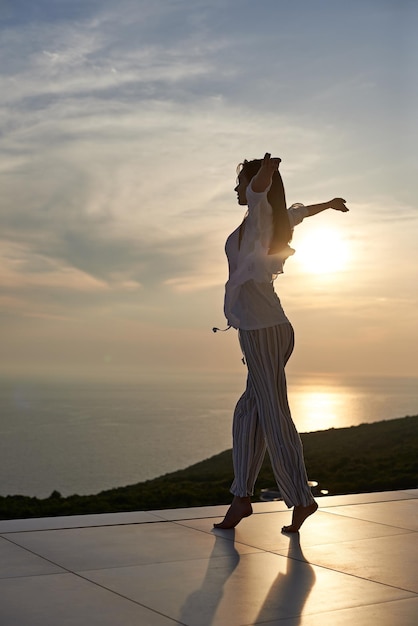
(322, 251)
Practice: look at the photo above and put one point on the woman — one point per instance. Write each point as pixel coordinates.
(257, 251)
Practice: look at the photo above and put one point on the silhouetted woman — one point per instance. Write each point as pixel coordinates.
(256, 253)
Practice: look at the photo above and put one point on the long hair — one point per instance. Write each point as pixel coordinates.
(282, 233)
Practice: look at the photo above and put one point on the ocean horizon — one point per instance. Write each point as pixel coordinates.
(85, 437)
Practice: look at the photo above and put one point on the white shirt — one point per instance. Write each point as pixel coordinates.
(250, 299)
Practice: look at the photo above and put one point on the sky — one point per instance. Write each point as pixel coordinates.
(122, 124)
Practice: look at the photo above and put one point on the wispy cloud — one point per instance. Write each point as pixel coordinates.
(121, 126)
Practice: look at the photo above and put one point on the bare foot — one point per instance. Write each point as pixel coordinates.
(300, 513)
(240, 507)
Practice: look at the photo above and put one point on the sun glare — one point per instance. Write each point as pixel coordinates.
(322, 251)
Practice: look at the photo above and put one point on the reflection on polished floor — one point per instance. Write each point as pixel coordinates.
(354, 562)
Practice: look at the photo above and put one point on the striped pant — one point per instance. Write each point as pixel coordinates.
(262, 419)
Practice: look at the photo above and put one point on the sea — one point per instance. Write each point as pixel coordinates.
(82, 437)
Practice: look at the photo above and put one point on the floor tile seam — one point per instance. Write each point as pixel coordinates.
(47, 530)
(332, 611)
(339, 542)
(70, 571)
(160, 518)
(191, 519)
(64, 569)
(186, 518)
(358, 540)
(285, 510)
(163, 519)
(361, 519)
(409, 498)
(121, 595)
(210, 517)
(333, 569)
(232, 539)
(64, 572)
(395, 499)
(259, 549)
(257, 552)
(182, 524)
(205, 532)
(325, 612)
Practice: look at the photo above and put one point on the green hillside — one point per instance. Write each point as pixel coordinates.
(371, 457)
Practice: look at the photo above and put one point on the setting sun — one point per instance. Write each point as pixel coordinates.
(322, 251)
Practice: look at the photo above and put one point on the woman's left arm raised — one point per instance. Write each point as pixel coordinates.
(338, 204)
(262, 180)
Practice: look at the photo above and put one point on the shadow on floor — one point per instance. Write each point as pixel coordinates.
(288, 594)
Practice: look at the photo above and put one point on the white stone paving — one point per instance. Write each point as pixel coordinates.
(354, 562)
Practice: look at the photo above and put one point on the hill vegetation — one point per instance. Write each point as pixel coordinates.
(381, 456)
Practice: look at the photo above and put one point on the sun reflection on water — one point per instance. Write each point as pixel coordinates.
(319, 407)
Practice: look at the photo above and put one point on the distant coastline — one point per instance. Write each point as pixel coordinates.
(81, 438)
(379, 456)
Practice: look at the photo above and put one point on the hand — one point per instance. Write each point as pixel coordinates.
(338, 204)
(264, 176)
(270, 165)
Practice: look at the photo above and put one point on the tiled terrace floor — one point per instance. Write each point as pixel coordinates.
(354, 563)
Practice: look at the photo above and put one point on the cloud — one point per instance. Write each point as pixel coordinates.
(133, 190)
(121, 128)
